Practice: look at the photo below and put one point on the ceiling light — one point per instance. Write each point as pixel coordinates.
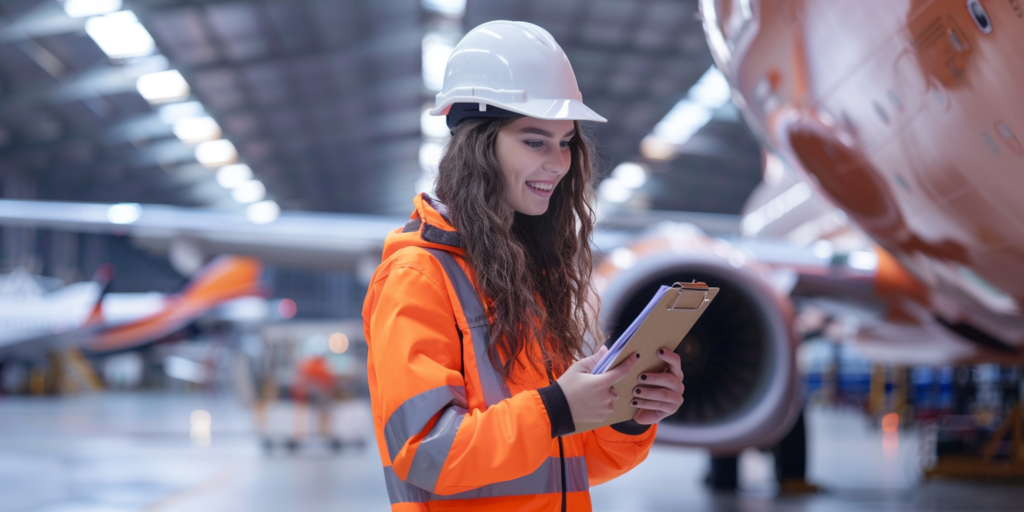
(690, 114)
(196, 129)
(231, 176)
(449, 7)
(263, 212)
(83, 8)
(682, 122)
(120, 35)
(163, 86)
(434, 127)
(712, 90)
(249, 192)
(437, 48)
(614, 191)
(654, 148)
(174, 111)
(124, 213)
(630, 174)
(215, 153)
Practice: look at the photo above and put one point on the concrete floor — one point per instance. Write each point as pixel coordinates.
(135, 451)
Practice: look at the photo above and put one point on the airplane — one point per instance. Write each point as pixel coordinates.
(891, 115)
(84, 317)
(898, 114)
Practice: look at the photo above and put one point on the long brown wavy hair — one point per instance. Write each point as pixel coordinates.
(519, 258)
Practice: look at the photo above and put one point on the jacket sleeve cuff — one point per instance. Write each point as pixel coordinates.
(558, 410)
(630, 428)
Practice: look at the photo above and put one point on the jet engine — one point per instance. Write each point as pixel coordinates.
(738, 360)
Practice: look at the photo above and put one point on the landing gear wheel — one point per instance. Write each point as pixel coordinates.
(335, 444)
(267, 444)
(292, 445)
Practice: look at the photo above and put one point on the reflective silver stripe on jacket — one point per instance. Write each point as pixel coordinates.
(413, 415)
(433, 450)
(479, 327)
(547, 479)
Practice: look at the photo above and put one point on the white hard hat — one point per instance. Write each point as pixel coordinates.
(516, 66)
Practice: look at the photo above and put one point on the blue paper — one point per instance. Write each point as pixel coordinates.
(609, 358)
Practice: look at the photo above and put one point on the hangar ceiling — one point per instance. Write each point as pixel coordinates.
(322, 98)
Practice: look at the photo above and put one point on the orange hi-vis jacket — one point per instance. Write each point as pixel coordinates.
(451, 433)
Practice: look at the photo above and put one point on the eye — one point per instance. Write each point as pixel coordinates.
(535, 144)
(564, 144)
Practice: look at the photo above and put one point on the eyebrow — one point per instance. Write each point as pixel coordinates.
(545, 133)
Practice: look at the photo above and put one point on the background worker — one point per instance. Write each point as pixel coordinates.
(478, 312)
(313, 388)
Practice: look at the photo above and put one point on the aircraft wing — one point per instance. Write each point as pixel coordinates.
(323, 240)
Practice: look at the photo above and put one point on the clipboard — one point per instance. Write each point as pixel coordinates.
(666, 324)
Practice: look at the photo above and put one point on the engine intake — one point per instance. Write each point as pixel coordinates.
(738, 360)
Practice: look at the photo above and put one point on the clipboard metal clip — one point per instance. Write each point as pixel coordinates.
(689, 286)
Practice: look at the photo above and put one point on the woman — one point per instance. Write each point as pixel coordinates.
(480, 307)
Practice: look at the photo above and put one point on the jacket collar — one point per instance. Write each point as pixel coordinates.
(433, 223)
(429, 226)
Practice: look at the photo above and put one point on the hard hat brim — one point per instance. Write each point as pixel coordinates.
(555, 110)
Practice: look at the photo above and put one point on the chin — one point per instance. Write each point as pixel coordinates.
(535, 211)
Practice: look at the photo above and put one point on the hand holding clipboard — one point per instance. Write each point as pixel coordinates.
(664, 323)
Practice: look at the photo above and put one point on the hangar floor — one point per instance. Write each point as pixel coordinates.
(135, 451)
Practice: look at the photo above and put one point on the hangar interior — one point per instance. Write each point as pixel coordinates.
(157, 153)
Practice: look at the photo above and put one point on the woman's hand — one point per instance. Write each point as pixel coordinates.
(659, 395)
(591, 397)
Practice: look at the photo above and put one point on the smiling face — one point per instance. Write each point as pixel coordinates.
(534, 155)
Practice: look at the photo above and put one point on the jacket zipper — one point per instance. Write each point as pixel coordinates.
(561, 449)
(561, 456)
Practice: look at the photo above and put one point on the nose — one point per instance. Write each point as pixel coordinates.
(557, 162)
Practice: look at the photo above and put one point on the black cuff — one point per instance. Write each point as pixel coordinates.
(630, 428)
(558, 410)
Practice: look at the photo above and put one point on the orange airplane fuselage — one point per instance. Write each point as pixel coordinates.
(905, 113)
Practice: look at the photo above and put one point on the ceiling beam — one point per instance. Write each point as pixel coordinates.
(95, 83)
(48, 19)
(385, 43)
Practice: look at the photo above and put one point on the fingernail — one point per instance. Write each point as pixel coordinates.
(661, 351)
(638, 391)
(643, 377)
(634, 403)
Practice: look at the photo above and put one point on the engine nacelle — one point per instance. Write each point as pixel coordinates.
(742, 388)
